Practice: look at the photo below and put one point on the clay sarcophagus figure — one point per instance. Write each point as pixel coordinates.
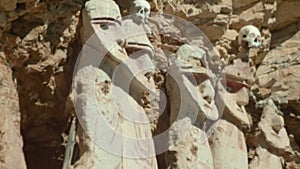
(115, 132)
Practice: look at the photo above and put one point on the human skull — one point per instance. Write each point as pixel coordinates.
(140, 10)
(249, 36)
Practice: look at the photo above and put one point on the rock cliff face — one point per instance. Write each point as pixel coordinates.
(41, 39)
(38, 42)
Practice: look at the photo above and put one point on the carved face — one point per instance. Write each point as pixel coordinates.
(141, 10)
(235, 101)
(249, 36)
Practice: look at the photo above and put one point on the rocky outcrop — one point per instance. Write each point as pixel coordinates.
(277, 78)
(265, 159)
(272, 127)
(234, 154)
(257, 102)
(11, 141)
(188, 150)
(38, 44)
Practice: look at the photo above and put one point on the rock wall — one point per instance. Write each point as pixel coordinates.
(38, 44)
(40, 41)
(11, 142)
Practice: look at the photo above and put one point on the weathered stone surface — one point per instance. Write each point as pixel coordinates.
(265, 159)
(188, 147)
(278, 71)
(241, 3)
(228, 45)
(40, 44)
(228, 147)
(188, 53)
(253, 15)
(109, 131)
(106, 9)
(278, 74)
(84, 98)
(190, 89)
(284, 10)
(11, 141)
(272, 126)
(210, 17)
(239, 71)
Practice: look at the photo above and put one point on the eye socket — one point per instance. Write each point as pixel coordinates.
(104, 26)
(244, 36)
(138, 8)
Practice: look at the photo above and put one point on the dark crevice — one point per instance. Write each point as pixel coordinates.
(42, 127)
(21, 7)
(23, 26)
